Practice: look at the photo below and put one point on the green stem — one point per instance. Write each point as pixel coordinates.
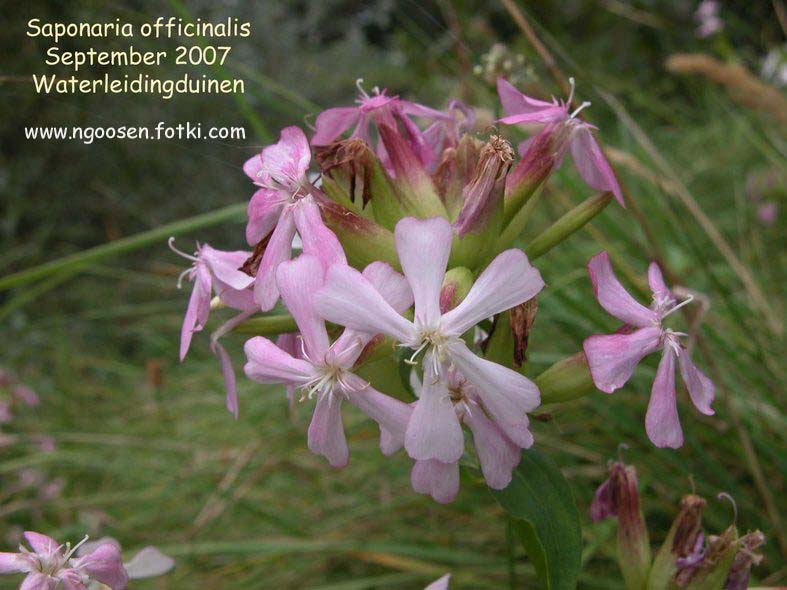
(270, 325)
(159, 234)
(569, 223)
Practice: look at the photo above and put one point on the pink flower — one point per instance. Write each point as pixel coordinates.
(212, 271)
(324, 369)
(497, 454)
(349, 299)
(613, 358)
(445, 133)
(49, 565)
(588, 157)
(148, 562)
(282, 207)
(378, 108)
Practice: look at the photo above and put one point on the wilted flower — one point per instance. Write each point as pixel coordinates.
(350, 300)
(324, 369)
(49, 565)
(564, 131)
(613, 358)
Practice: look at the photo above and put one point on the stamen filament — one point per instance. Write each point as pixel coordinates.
(686, 301)
(578, 109)
(171, 244)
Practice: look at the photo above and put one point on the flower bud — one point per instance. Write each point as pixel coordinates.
(455, 171)
(544, 154)
(566, 380)
(346, 165)
(522, 318)
(414, 188)
(456, 286)
(745, 558)
(618, 497)
(680, 544)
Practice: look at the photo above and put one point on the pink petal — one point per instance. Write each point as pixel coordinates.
(657, 284)
(326, 432)
(350, 300)
(71, 579)
(418, 142)
(253, 168)
(614, 298)
(419, 110)
(263, 211)
(317, 239)
(38, 581)
(41, 544)
(424, 247)
(267, 363)
(225, 265)
(515, 102)
(106, 565)
(240, 300)
(508, 281)
(298, 281)
(393, 287)
(506, 394)
(548, 115)
(612, 358)
(149, 563)
(278, 250)
(198, 309)
(661, 421)
(439, 480)
(591, 163)
(332, 123)
(390, 414)
(10, 563)
(291, 154)
(440, 583)
(434, 431)
(701, 389)
(498, 455)
(228, 372)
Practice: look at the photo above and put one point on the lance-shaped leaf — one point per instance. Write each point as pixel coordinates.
(545, 515)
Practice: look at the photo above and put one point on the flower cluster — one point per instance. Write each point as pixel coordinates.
(401, 257)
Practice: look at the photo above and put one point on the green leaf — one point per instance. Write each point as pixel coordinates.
(545, 517)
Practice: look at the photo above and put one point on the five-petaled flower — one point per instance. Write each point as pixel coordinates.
(349, 299)
(570, 132)
(50, 566)
(612, 358)
(324, 370)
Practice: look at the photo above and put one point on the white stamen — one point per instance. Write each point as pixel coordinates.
(359, 86)
(71, 550)
(572, 83)
(171, 244)
(579, 109)
(686, 301)
(182, 275)
(725, 495)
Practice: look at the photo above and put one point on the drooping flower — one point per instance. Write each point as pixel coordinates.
(324, 370)
(212, 271)
(282, 207)
(349, 299)
(378, 108)
(459, 401)
(49, 566)
(613, 358)
(568, 131)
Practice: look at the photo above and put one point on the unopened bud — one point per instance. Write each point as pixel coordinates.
(566, 380)
(456, 286)
(455, 171)
(680, 544)
(618, 497)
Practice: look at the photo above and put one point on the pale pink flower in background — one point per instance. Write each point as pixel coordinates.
(148, 562)
(613, 358)
(349, 299)
(767, 213)
(26, 395)
(707, 18)
(5, 412)
(440, 584)
(50, 566)
(576, 134)
(283, 207)
(378, 108)
(324, 369)
(445, 133)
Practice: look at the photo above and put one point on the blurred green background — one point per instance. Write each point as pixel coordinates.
(128, 442)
